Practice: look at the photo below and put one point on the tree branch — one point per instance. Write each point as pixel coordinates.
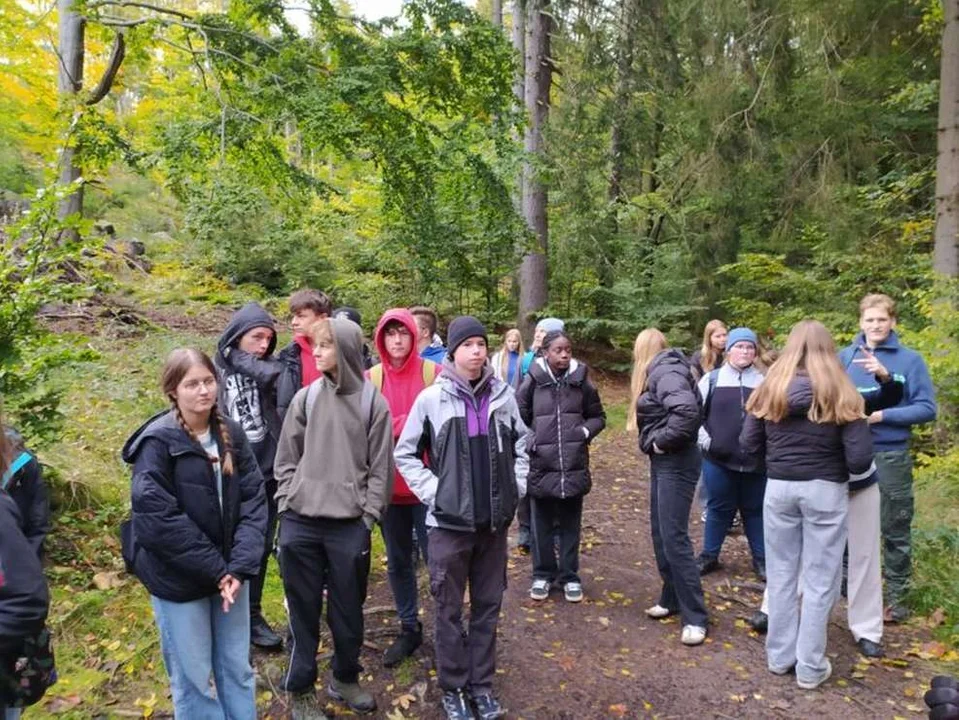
(110, 73)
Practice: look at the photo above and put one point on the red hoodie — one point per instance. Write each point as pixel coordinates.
(400, 388)
(308, 369)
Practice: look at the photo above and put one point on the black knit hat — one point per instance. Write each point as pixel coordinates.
(349, 313)
(461, 329)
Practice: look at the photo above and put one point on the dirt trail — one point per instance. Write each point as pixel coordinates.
(604, 659)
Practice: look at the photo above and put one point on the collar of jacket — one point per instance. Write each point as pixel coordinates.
(450, 383)
(890, 343)
(543, 374)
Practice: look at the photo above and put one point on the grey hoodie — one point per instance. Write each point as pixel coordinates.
(337, 463)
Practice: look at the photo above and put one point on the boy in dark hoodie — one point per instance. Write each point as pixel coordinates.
(468, 426)
(307, 307)
(248, 376)
(401, 377)
(334, 475)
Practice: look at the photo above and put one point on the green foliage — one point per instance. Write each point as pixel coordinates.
(40, 265)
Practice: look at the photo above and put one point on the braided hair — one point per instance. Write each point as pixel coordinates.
(178, 364)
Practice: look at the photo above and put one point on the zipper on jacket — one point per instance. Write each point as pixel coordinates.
(559, 442)
(742, 413)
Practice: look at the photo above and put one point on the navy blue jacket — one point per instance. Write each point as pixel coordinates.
(28, 490)
(919, 402)
(24, 599)
(184, 543)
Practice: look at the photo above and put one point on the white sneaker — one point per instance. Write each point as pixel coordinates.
(658, 612)
(816, 683)
(693, 635)
(539, 590)
(573, 592)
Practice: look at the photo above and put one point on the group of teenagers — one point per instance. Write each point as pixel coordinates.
(441, 445)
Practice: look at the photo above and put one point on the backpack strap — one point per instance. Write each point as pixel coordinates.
(16, 466)
(376, 376)
(366, 402)
(713, 379)
(312, 391)
(429, 372)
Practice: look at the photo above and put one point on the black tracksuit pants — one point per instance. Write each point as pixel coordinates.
(336, 553)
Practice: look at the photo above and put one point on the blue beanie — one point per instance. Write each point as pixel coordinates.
(741, 334)
(550, 324)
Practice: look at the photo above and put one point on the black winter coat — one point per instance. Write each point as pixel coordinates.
(798, 449)
(556, 411)
(29, 492)
(24, 599)
(290, 379)
(670, 410)
(184, 542)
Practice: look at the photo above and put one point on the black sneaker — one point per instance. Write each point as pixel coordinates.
(707, 564)
(869, 649)
(759, 622)
(262, 635)
(404, 646)
(487, 706)
(457, 706)
(759, 567)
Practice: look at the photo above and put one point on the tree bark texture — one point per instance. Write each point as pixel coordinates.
(946, 258)
(533, 294)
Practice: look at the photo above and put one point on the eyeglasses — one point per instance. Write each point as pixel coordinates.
(194, 385)
(398, 332)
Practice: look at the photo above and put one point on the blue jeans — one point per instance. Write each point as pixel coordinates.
(10, 713)
(729, 491)
(398, 524)
(199, 640)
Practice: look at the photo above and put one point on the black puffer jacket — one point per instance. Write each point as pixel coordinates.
(670, 411)
(24, 599)
(184, 542)
(563, 414)
(290, 379)
(28, 490)
(799, 449)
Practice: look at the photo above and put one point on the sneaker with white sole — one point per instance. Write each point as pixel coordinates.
(539, 590)
(658, 612)
(573, 592)
(812, 685)
(693, 634)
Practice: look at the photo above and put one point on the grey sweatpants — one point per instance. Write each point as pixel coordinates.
(805, 532)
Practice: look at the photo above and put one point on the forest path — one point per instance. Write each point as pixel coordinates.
(603, 658)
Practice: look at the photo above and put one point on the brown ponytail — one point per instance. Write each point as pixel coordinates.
(226, 462)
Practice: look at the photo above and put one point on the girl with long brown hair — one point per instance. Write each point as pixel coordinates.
(196, 537)
(667, 414)
(806, 421)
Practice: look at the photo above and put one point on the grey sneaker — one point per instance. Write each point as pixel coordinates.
(812, 685)
(359, 700)
(539, 589)
(573, 592)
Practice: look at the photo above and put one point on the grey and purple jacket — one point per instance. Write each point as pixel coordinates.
(474, 442)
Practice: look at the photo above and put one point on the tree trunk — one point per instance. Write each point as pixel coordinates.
(71, 30)
(946, 259)
(497, 14)
(519, 93)
(533, 292)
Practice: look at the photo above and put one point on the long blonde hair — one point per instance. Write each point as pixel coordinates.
(809, 349)
(708, 355)
(649, 343)
(504, 351)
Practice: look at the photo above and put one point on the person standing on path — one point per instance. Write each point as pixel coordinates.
(507, 361)
(891, 433)
(195, 539)
(428, 342)
(248, 375)
(401, 376)
(806, 422)
(522, 513)
(468, 426)
(564, 413)
(307, 307)
(334, 476)
(707, 358)
(667, 411)
(735, 482)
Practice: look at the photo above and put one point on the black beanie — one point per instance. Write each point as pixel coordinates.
(349, 313)
(461, 329)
